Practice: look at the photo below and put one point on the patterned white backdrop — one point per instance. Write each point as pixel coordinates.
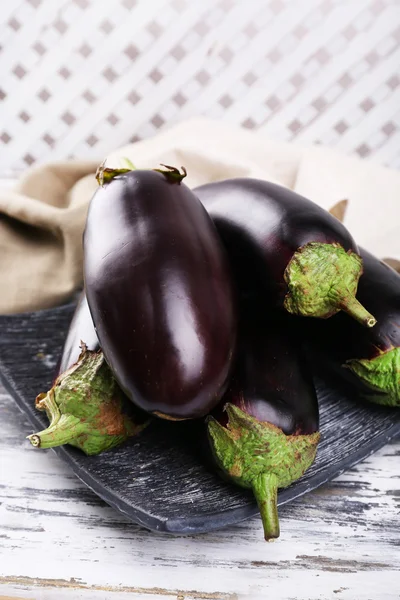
(78, 78)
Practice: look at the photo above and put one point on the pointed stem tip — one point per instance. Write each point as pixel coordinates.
(265, 489)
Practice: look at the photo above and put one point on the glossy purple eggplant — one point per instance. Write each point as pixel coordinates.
(85, 406)
(303, 256)
(264, 435)
(368, 359)
(160, 292)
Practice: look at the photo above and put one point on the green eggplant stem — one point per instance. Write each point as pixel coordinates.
(105, 174)
(321, 280)
(265, 489)
(65, 430)
(350, 305)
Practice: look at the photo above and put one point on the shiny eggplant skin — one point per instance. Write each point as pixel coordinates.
(160, 293)
(337, 343)
(302, 256)
(272, 380)
(80, 330)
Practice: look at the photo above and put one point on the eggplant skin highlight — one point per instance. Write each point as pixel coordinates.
(303, 256)
(160, 293)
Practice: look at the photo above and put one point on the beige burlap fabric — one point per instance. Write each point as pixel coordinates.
(43, 217)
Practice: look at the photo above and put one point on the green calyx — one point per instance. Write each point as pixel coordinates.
(322, 279)
(84, 408)
(104, 174)
(381, 374)
(259, 456)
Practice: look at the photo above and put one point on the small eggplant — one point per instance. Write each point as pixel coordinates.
(267, 436)
(302, 255)
(369, 359)
(160, 292)
(85, 406)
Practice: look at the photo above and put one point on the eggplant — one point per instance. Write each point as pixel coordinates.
(267, 435)
(160, 292)
(301, 255)
(85, 406)
(367, 359)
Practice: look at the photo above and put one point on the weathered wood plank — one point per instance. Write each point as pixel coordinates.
(341, 541)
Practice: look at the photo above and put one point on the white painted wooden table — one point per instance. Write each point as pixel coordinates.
(58, 540)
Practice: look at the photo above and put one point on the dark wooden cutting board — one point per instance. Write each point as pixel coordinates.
(158, 479)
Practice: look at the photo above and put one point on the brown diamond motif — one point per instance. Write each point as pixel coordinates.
(44, 95)
(389, 128)
(82, 3)
(131, 51)
(179, 99)
(393, 82)
(276, 6)
(249, 124)
(154, 28)
(341, 127)
(112, 119)
(4, 137)
(39, 48)
(89, 97)
(110, 74)
(300, 31)
(134, 139)
(49, 140)
(155, 75)
(249, 78)
(367, 105)
(372, 58)
(134, 97)
(85, 50)
(297, 80)
(178, 4)
(19, 71)
(35, 3)
(201, 28)
(24, 116)
(68, 118)
(178, 52)
(225, 101)
(129, 3)
(157, 121)
(106, 26)
(322, 56)
(274, 56)
(65, 73)
(349, 33)
(363, 150)
(14, 24)
(377, 7)
(226, 54)
(272, 102)
(294, 126)
(345, 81)
(61, 26)
(250, 30)
(92, 140)
(319, 103)
(203, 77)
(29, 159)
(2, 94)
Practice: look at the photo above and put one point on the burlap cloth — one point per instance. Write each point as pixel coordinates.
(43, 217)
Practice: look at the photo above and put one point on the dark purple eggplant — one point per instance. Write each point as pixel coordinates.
(368, 359)
(267, 435)
(304, 257)
(85, 406)
(160, 292)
